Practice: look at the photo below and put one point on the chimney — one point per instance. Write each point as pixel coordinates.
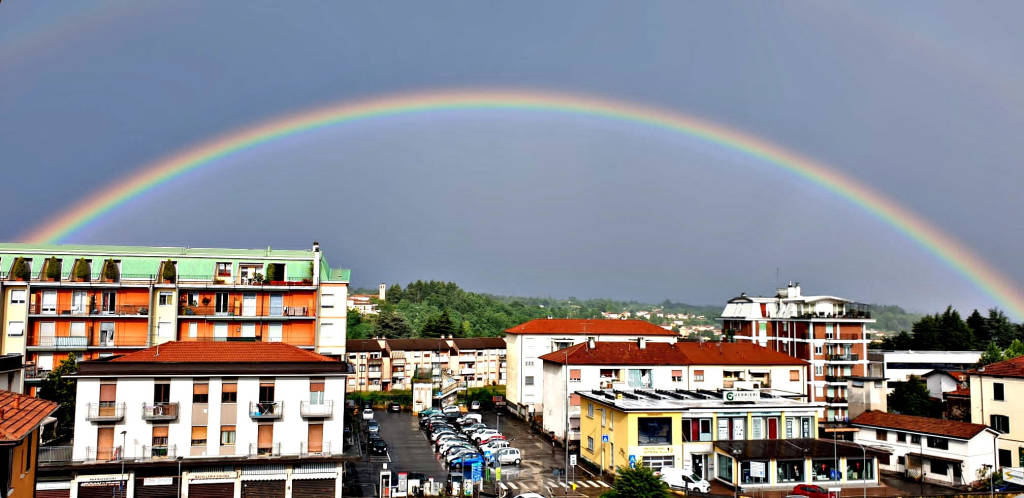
(316, 246)
(641, 342)
(591, 343)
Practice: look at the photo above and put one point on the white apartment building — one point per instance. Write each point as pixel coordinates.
(898, 366)
(527, 342)
(389, 364)
(689, 366)
(947, 451)
(943, 381)
(245, 408)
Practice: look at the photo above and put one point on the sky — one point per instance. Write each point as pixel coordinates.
(922, 101)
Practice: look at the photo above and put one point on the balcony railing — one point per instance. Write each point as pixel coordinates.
(85, 310)
(159, 452)
(324, 449)
(62, 342)
(33, 372)
(316, 410)
(54, 454)
(160, 411)
(835, 399)
(835, 378)
(207, 279)
(102, 454)
(272, 450)
(844, 337)
(266, 409)
(105, 411)
(843, 357)
(284, 311)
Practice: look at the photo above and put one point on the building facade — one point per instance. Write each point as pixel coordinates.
(693, 366)
(21, 421)
(389, 364)
(997, 400)
(244, 408)
(829, 332)
(527, 342)
(942, 451)
(98, 301)
(898, 366)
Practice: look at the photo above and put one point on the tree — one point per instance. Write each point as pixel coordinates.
(56, 387)
(53, 268)
(912, 398)
(81, 271)
(357, 327)
(110, 271)
(438, 326)
(391, 325)
(991, 355)
(637, 482)
(167, 272)
(19, 269)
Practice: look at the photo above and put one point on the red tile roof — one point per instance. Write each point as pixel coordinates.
(1006, 368)
(664, 353)
(926, 425)
(20, 414)
(222, 352)
(957, 375)
(595, 327)
(963, 391)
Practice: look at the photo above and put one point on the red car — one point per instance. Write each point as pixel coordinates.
(496, 437)
(810, 490)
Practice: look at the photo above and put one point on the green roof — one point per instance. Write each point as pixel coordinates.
(170, 252)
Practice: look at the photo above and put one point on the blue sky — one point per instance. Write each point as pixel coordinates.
(920, 100)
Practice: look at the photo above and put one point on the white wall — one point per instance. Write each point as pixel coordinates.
(940, 383)
(974, 453)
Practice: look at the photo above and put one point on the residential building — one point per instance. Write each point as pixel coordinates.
(827, 331)
(98, 301)
(997, 400)
(364, 303)
(12, 373)
(527, 342)
(945, 451)
(898, 366)
(866, 394)
(387, 364)
(254, 417)
(661, 365)
(21, 421)
(943, 381)
(711, 433)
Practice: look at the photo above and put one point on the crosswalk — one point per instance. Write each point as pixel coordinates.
(513, 486)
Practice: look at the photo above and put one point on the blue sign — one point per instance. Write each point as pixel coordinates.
(604, 438)
(632, 461)
(487, 456)
(478, 473)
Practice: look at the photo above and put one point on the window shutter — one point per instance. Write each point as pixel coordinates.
(108, 392)
(198, 433)
(316, 437)
(574, 374)
(677, 373)
(316, 385)
(266, 436)
(159, 431)
(229, 388)
(200, 389)
(574, 400)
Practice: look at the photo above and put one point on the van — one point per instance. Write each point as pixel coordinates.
(677, 479)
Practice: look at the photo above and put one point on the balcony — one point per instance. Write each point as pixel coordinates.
(62, 342)
(208, 280)
(54, 454)
(166, 452)
(843, 357)
(33, 372)
(102, 454)
(835, 378)
(266, 410)
(835, 399)
(467, 371)
(316, 410)
(232, 312)
(160, 411)
(272, 450)
(845, 337)
(105, 411)
(124, 310)
(307, 451)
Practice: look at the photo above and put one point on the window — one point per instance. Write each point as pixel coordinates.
(881, 435)
(15, 328)
(997, 391)
(276, 304)
(227, 435)
(165, 298)
(18, 296)
(159, 440)
(790, 471)
(223, 269)
(529, 363)
(817, 350)
(828, 331)
(939, 443)
(220, 330)
(529, 380)
(192, 299)
(859, 469)
(574, 375)
(901, 460)
(654, 431)
(316, 391)
(698, 376)
(109, 302)
(274, 332)
(794, 375)
(229, 392)
(724, 467)
(938, 467)
(901, 437)
(201, 393)
(999, 423)
(198, 436)
(590, 410)
(193, 329)
(265, 439)
(326, 300)
(825, 470)
(915, 439)
(656, 463)
(818, 370)
(106, 333)
(162, 391)
(315, 438)
(1004, 458)
(677, 376)
(590, 444)
(221, 302)
(745, 473)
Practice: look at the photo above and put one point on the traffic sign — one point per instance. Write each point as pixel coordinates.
(572, 460)
(632, 461)
(478, 472)
(604, 438)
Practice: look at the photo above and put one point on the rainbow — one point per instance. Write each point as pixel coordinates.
(946, 248)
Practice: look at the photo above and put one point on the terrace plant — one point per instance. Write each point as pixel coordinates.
(110, 272)
(167, 273)
(19, 269)
(81, 271)
(52, 270)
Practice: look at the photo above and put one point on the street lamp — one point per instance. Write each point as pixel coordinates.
(736, 452)
(179, 458)
(995, 463)
(124, 449)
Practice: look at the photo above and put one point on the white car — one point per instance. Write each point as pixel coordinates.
(368, 414)
(474, 405)
(494, 446)
(484, 433)
(676, 479)
(529, 495)
(505, 456)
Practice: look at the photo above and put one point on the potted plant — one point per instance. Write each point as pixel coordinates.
(51, 269)
(81, 271)
(167, 274)
(274, 273)
(19, 269)
(206, 300)
(110, 272)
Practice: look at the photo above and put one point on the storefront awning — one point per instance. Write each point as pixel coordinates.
(792, 449)
(935, 457)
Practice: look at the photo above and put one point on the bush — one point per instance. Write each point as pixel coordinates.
(380, 399)
(81, 270)
(167, 271)
(637, 482)
(53, 268)
(110, 270)
(484, 395)
(19, 269)
(275, 272)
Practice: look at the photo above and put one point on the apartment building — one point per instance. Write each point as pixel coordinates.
(997, 400)
(98, 301)
(830, 332)
(388, 364)
(527, 342)
(898, 366)
(744, 437)
(12, 373)
(364, 303)
(21, 421)
(693, 366)
(942, 451)
(253, 418)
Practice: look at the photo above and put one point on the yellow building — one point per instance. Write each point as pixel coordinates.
(20, 420)
(997, 400)
(711, 433)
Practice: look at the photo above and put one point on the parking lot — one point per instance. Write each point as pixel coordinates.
(409, 450)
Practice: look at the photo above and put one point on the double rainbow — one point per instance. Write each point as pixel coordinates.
(929, 237)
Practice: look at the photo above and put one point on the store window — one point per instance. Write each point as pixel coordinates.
(655, 463)
(654, 431)
(860, 469)
(754, 472)
(790, 471)
(724, 467)
(825, 470)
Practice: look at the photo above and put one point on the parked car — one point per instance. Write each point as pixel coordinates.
(456, 449)
(491, 438)
(368, 414)
(466, 459)
(394, 407)
(435, 435)
(809, 490)
(451, 411)
(378, 446)
(529, 495)
(452, 443)
(372, 427)
(474, 405)
(677, 479)
(473, 428)
(456, 454)
(506, 456)
(494, 446)
(484, 433)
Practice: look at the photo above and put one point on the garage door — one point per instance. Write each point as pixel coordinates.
(262, 489)
(216, 490)
(53, 493)
(101, 490)
(313, 488)
(156, 487)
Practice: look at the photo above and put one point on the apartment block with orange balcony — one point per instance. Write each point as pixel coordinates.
(100, 301)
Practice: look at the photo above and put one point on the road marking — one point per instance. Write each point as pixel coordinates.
(550, 484)
(600, 484)
(582, 483)
(503, 486)
(512, 485)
